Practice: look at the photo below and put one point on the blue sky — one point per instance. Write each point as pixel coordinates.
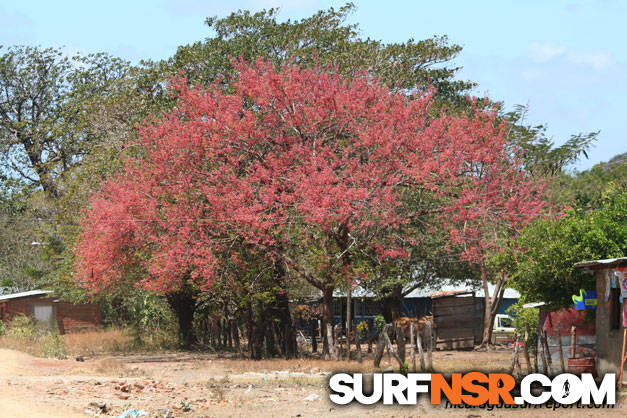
(566, 59)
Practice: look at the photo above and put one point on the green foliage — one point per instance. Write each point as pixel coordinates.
(21, 327)
(545, 272)
(185, 406)
(43, 99)
(22, 334)
(52, 346)
(587, 189)
(379, 323)
(542, 157)
(146, 313)
(521, 316)
(404, 368)
(324, 39)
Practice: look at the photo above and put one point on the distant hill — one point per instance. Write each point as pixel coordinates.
(585, 188)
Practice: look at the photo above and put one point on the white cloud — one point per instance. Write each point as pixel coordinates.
(541, 53)
(597, 59)
(544, 52)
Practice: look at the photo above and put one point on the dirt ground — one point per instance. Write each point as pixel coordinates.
(202, 385)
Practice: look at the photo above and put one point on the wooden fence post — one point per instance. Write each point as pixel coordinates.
(548, 351)
(515, 362)
(526, 348)
(413, 347)
(378, 352)
(561, 348)
(420, 351)
(391, 350)
(400, 343)
(429, 332)
(573, 341)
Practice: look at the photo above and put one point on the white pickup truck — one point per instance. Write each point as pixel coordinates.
(503, 331)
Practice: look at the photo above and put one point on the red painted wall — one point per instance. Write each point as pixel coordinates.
(70, 317)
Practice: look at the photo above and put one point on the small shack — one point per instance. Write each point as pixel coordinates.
(610, 275)
(49, 312)
(458, 318)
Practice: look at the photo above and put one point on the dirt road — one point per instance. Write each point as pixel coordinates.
(184, 385)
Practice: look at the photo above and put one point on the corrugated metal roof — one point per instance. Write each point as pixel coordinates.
(608, 262)
(429, 291)
(25, 294)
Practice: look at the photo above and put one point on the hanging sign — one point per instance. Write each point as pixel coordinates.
(587, 299)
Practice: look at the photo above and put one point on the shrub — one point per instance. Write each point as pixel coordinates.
(379, 323)
(524, 315)
(52, 346)
(21, 327)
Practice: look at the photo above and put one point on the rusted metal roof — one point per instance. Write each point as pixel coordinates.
(451, 293)
(609, 262)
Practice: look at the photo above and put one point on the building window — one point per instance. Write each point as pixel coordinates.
(615, 308)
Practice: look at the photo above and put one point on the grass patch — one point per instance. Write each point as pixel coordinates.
(21, 334)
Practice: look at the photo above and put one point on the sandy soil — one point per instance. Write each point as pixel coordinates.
(194, 385)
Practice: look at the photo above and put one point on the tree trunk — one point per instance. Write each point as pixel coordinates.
(349, 322)
(183, 304)
(235, 333)
(270, 342)
(258, 332)
(392, 303)
(250, 330)
(391, 306)
(327, 317)
(314, 332)
(492, 305)
(290, 348)
(229, 332)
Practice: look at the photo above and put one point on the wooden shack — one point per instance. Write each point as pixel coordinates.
(49, 312)
(458, 318)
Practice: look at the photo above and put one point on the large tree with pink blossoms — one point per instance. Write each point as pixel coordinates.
(304, 167)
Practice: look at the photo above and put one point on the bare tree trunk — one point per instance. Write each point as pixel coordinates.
(314, 332)
(331, 348)
(492, 304)
(235, 334)
(229, 332)
(327, 319)
(349, 322)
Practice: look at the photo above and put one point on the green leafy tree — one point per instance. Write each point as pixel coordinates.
(324, 39)
(551, 246)
(43, 99)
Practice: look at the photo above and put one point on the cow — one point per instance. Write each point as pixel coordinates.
(419, 325)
